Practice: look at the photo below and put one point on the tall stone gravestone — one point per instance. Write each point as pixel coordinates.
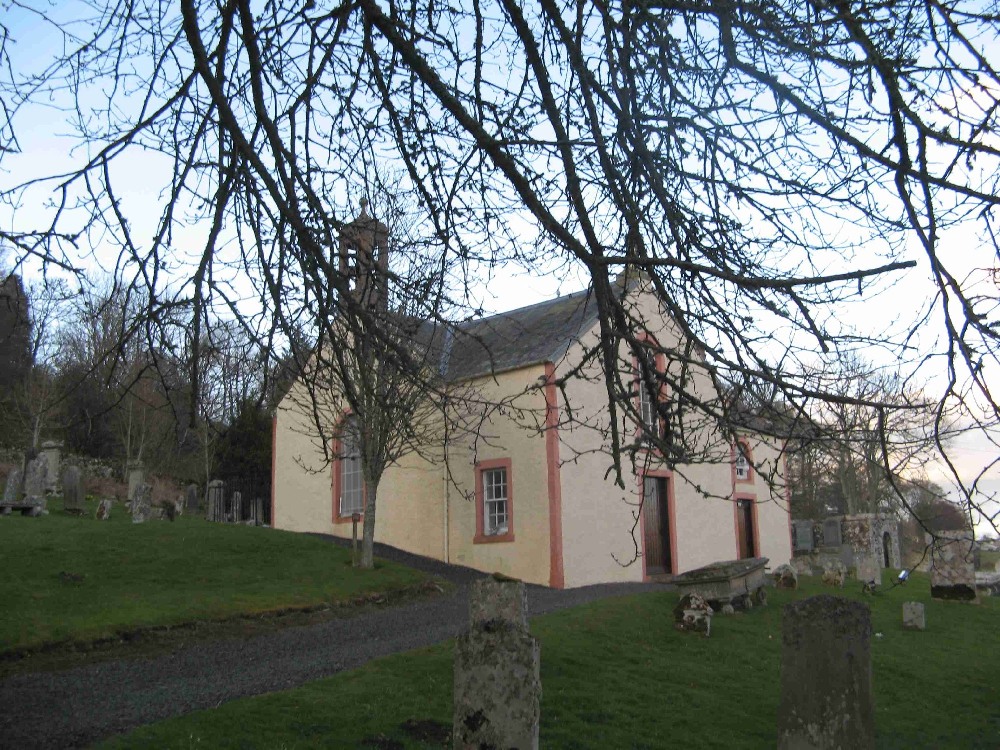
(142, 503)
(497, 685)
(35, 482)
(13, 491)
(215, 500)
(136, 478)
(51, 449)
(826, 676)
(191, 498)
(72, 491)
(953, 575)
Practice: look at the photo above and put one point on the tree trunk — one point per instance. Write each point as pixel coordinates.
(368, 537)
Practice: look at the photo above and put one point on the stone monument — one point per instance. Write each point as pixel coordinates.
(72, 491)
(51, 449)
(191, 498)
(215, 500)
(141, 503)
(136, 478)
(13, 491)
(826, 675)
(35, 482)
(953, 575)
(497, 688)
(913, 616)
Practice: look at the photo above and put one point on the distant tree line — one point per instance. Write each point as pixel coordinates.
(83, 366)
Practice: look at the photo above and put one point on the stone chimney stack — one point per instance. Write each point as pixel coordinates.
(364, 258)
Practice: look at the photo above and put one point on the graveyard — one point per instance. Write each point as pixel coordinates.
(617, 674)
(83, 582)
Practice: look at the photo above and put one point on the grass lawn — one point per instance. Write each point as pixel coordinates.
(78, 579)
(615, 674)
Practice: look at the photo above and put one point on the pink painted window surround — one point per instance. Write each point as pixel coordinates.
(494, 501)
(742, 464)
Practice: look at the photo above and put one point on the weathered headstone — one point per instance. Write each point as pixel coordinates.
(35, 481)
(785, 577)
(868, 570)
(833, 573)
(72, 491)
(13, 491)
(693, 614)
(913, 616)
(953, 575)
(136, 478)
(104, 510)
(51, 449)
(497, 688)
(826, 675)
(191, 498)
(215, 500)
(141, 503)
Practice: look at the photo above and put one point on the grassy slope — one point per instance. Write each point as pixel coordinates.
(162, 573)
(615, 674)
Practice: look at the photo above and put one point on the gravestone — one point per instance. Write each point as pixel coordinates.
(497, 687)
(215, 500)
(831, 533)
(142, 503)
(785, 577)
(826, 675)
(13, 491)
(136, 478)
(913, 616)
(35, 482)
(72, 491)
(236, 508)
(51, 450)
(868, 570)
(104, 510)
(834, 572)
(693, 614)
(191, 498)
(953, 575)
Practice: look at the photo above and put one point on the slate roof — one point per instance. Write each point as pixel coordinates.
(511, 340)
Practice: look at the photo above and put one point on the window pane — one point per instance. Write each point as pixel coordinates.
(351, 482)
(495, 501)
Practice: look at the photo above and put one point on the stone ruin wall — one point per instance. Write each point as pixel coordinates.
(859, 536)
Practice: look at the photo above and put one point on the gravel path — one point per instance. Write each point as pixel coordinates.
(79, 706)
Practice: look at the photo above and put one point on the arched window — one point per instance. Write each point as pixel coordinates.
(348, 467)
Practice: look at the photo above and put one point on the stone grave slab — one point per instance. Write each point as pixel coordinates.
(739, 583)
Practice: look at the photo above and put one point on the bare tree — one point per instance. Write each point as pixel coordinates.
(862, 453)
(769, 165)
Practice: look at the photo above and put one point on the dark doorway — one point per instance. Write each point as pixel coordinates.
(744, 528)
(887, 550)
(656, 522)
